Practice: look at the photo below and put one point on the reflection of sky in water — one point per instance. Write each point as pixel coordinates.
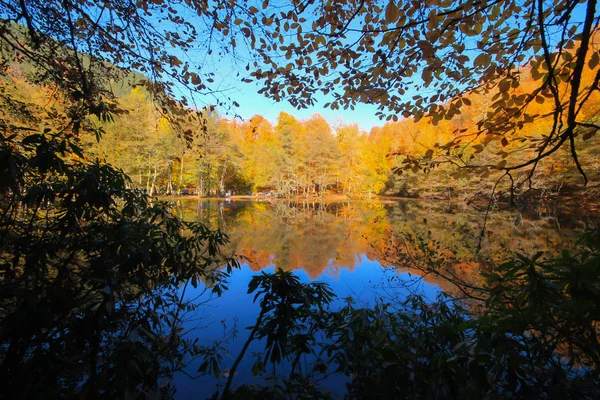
(339, 244)
(367, 283)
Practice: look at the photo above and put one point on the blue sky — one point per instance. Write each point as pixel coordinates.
(252, 103)
(228, 78)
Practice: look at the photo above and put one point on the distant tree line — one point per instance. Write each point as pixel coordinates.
(210, 155)
(311, 158)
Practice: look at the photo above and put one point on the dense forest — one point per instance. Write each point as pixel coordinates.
(309, 157)
(105, 105)
(212, 155)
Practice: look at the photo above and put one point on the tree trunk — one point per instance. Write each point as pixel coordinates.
(181, 174)
(200, 185)
(153, 187)
(222, 178)
(148, 180)
(170, 180)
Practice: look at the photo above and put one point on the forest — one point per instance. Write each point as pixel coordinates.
(108, 109)
(305, 158)
(309, 157)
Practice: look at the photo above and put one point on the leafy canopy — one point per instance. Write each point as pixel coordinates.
(425, 59)
(411, 59)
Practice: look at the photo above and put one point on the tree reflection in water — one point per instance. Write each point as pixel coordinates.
(365, 250)
(318, 236)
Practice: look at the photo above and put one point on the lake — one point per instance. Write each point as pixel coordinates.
(365, 250)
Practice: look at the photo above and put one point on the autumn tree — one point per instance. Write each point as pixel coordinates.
(258, 147)
(293, 155)
(211, 138)
(324, 153)
(348, 137)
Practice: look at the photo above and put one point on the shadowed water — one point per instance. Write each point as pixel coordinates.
(367, 251)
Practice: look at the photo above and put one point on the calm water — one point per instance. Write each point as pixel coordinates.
(363, 250)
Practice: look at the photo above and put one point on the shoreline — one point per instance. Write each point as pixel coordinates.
(315, 199)
(382, 199)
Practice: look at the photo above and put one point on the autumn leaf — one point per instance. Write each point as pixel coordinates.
(391, 12)
(426, 49)
(482, 60)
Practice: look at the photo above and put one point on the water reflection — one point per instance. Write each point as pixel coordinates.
(307, 236)
(317, 237)
(350, 244)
